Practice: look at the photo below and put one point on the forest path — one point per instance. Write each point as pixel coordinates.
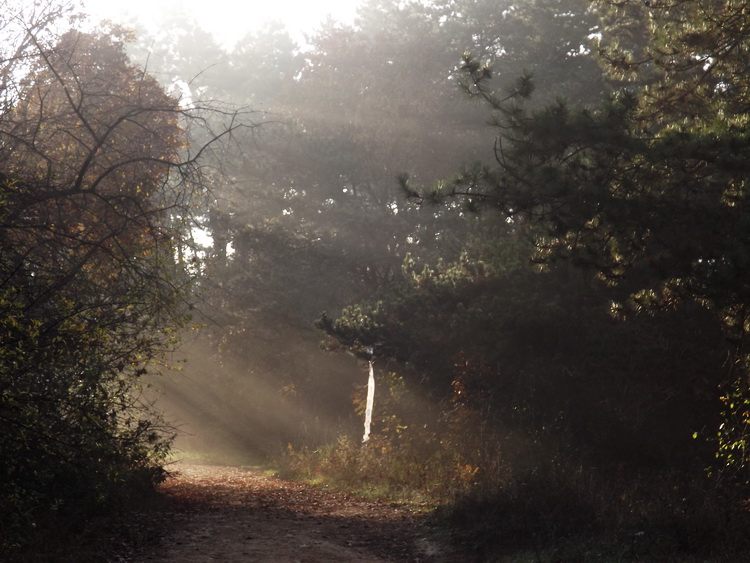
(230, 514)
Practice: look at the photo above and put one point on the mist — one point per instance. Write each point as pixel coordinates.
(314, 252)
(310, 210)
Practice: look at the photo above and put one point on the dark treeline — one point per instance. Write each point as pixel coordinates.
(529, 214)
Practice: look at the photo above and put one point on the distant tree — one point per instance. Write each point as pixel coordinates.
(182, 55)
(305, 215)
(312, 203)
(262, 65)
(549, 39)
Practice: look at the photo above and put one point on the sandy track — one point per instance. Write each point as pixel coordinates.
(229, 514)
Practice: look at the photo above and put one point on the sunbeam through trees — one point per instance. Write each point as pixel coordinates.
(526, 219)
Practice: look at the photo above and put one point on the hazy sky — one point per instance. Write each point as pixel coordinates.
(229, 20)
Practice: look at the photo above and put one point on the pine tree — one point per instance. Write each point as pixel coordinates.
(649, 186)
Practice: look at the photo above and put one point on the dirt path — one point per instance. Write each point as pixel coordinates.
(231, 515)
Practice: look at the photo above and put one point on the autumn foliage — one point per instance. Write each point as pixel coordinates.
(90, 290)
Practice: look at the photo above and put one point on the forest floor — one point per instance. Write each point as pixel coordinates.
(231, 514)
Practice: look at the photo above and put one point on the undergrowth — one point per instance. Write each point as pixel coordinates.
(384, 468)
(558, 511)
(525, 500)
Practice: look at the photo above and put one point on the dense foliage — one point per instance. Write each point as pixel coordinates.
(639, 183)
(647, 187)
(95, 185)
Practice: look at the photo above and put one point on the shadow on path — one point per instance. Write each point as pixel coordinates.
(229, 514)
